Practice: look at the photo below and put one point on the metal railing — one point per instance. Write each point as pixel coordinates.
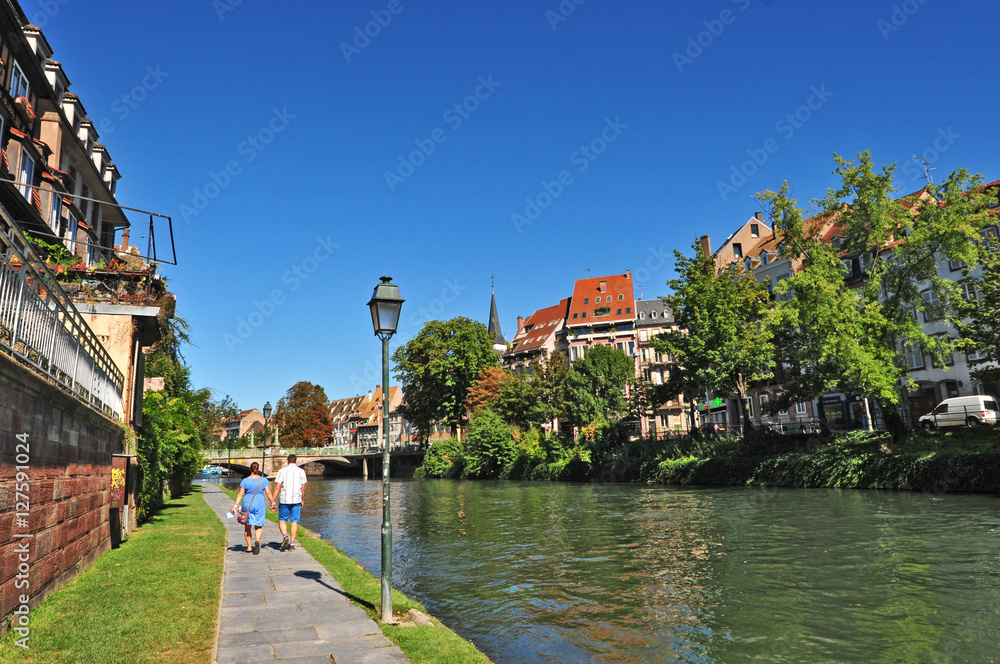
(255, 452)
(41, 327)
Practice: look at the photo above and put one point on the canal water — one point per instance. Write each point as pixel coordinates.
(555, 572)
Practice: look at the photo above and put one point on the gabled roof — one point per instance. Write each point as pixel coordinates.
(539, 328)
(591, 297)
(645, 310)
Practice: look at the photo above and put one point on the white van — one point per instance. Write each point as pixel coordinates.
(962, 411)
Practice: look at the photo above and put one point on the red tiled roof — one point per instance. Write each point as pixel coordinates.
(539, 327)
(617, 287)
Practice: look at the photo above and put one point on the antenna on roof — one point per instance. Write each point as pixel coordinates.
(927, 171)
(588, 273)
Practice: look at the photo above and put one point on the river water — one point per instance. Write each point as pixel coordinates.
(555, 572)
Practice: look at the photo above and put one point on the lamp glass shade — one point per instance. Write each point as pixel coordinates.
(267, 410)
(385, 306)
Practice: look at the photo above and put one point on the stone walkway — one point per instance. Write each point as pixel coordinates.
(285, 606)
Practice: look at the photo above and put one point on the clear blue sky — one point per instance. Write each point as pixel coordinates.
(312, 194)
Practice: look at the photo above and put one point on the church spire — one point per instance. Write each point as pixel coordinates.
(499, 343)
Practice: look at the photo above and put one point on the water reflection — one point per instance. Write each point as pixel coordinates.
(535, 572)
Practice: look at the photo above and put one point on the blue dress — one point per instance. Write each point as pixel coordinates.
(258, 506)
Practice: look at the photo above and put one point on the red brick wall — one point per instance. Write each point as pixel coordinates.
(69, 472)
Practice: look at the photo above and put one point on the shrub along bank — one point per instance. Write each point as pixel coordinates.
(962, 460)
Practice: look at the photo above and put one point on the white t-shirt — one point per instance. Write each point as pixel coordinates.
(291, 478)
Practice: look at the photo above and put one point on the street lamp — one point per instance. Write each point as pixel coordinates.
(385, 305)
(263, 451)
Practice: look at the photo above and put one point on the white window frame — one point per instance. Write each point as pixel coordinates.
(912, 355)
(17, 80)
(930, 297)
(800, 408)
(26, 178)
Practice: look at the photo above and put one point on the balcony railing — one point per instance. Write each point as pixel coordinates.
(41, 327)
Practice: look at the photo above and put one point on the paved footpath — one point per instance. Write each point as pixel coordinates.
(285, 606)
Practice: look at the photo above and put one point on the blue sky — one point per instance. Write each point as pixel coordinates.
(298, 170)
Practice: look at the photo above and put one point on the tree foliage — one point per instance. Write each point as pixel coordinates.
(489, 445)
(982, 331)
(303, 416)
(437, 367)
(595, 386)
(859, 331)
(720, 343)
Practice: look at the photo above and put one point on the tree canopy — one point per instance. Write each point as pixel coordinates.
(853, 333)
(437, 367)
(303, 416)
(720, 343)
(595, 386)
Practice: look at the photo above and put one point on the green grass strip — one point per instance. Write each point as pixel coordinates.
(155, 599)
(422, 644)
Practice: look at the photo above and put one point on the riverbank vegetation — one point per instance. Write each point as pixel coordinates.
(961, 460)
(154, 600)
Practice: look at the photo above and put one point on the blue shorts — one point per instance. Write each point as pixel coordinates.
(288, 512)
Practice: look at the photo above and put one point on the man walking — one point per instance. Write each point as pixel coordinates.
(290, 489)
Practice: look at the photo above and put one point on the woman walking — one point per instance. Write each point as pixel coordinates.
(253, 491)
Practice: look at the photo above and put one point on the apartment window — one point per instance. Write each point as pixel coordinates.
(764, 399)
(619, 313)
(653, 314)
(628, 310)
(602, 311)
(750, 407)
(586, 300)
(800, 408)
(990, 238)
(621, 297)
(969, 292)
(754, 230)
(631, 348)
(583, 315)
(597, 299)
(575, 316)
(914, 357)
(620, 346)
(572, 353)
(748, 263)
(932, 309)
(27, 173)
(949, 358)
(54, 212)
(18, 82)
(976, 356)
(763, 258)
(955, 265)
(642, 315)
(837, 242)
(737, 250)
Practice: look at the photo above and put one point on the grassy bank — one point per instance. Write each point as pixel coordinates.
(964, 460)
(155, 599)
(422, 644)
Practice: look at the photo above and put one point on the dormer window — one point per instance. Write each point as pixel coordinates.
(748, 263)
(763, 258)
(737, 250)
(837, 242)
(18, 82)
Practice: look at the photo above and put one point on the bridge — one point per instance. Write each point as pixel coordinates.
(336, 461)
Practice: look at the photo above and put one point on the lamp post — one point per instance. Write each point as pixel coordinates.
(263, 451)
(385, 305)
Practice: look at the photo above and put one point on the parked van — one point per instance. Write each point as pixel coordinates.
(962, 411)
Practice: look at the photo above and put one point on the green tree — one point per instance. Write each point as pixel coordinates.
(303, 416)
(720, 343)
(595, 386)
(437, 367)
(900, 245)
(982, 331)
(489, 445)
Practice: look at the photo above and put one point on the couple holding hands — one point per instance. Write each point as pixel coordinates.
(289, 490)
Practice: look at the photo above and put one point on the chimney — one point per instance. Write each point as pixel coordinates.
(125, 239)
(520, 323)
(604, 285)
(706, 245)
(757, 215)
(628, 275)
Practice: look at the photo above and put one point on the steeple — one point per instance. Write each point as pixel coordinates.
(499, 343)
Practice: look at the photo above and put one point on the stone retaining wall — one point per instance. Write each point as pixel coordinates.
(68, 472)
